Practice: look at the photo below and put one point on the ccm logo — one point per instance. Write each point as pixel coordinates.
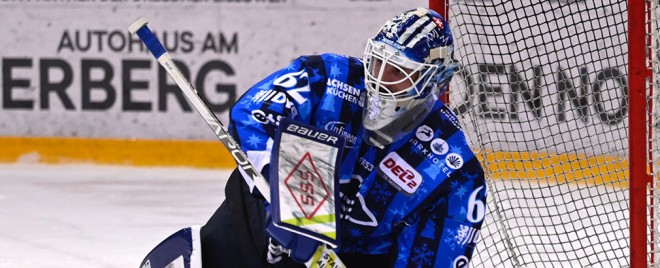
(313, 134)
(401, 173)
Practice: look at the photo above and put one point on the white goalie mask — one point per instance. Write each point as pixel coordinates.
(407, 66)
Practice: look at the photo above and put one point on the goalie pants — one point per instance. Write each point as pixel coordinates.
(235, 235)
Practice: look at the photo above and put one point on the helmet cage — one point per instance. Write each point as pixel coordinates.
(378, 55)
(407, 65)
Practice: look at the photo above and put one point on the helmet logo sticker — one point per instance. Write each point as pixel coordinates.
(439, 23)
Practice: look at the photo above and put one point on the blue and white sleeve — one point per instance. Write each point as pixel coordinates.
(255, 116)
(447, 234)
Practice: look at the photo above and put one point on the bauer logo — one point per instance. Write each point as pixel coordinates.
(312, 134)
(400, 174)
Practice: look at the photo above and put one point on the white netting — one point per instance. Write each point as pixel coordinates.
(542, 94)
(655, 142)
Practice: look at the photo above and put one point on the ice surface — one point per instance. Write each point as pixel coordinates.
(98, 216)
(112, 216)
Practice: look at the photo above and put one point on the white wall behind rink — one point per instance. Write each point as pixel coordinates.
(70, 69)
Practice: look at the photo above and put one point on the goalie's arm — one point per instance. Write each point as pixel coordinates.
(447, 230)
(257, 113)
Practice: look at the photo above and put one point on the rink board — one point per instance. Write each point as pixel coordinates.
(184, 153)
(551, 168)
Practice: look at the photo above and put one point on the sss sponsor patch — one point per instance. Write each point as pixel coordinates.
(304, 182)
(400, 174)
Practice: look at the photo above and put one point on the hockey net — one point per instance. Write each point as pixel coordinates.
(542, 93)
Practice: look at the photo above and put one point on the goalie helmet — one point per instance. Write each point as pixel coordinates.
(407, 65)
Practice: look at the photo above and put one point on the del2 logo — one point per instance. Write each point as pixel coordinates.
(400, 174)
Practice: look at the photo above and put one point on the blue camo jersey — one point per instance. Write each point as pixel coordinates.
(421, 200)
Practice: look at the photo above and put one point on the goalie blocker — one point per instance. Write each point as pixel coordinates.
(302, 214)
(304, 193)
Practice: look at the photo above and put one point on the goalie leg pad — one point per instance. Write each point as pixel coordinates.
(179, 250)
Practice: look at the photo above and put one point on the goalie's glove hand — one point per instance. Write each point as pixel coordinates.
(298, 247)
(275, 252)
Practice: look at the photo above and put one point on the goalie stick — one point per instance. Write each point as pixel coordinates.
(324, 257)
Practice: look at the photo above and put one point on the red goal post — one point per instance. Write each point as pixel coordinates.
(557, 99)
